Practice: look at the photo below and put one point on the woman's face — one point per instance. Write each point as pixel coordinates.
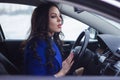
(55, 21)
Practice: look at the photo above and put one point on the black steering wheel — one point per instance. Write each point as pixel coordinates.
(76, 49)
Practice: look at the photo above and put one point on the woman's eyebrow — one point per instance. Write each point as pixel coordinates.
(55, 13)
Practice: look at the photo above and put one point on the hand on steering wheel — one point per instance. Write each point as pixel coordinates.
(78, 50)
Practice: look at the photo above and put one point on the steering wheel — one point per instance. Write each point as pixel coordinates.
(76, 49)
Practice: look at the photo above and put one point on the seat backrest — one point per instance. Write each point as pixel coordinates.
(6, 66)
(3, 71)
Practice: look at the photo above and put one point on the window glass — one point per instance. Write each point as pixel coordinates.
(15, 21)
(72, 28)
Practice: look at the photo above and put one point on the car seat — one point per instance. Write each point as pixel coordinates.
(6, 66)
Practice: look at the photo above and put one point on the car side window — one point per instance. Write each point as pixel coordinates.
(15, 21)
(72, 28)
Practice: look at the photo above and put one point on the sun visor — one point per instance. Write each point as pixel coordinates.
(112, 42)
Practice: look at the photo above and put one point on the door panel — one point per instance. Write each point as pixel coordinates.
(11, 49)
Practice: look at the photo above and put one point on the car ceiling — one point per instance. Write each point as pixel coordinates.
(84, 16)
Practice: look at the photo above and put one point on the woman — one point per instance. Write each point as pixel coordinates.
(43, 50)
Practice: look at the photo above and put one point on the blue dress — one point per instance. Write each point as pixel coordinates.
(33, 66)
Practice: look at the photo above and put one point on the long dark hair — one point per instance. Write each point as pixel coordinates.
(40, 29)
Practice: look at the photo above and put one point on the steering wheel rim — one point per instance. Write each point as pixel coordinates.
(85, 42)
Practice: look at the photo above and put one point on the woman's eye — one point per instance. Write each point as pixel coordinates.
(53, 16)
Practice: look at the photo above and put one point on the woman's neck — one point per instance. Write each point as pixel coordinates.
(51, 34)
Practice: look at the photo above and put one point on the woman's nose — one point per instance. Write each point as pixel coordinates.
(59, 19)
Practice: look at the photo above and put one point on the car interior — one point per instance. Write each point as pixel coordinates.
(94, 54)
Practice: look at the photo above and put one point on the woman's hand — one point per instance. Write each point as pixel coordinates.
(66, 65)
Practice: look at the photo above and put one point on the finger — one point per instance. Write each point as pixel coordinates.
(70, 58)
(71, 63)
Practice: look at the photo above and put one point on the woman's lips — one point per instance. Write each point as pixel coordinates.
(59, 25)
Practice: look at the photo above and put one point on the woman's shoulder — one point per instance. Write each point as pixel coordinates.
(37, 41)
